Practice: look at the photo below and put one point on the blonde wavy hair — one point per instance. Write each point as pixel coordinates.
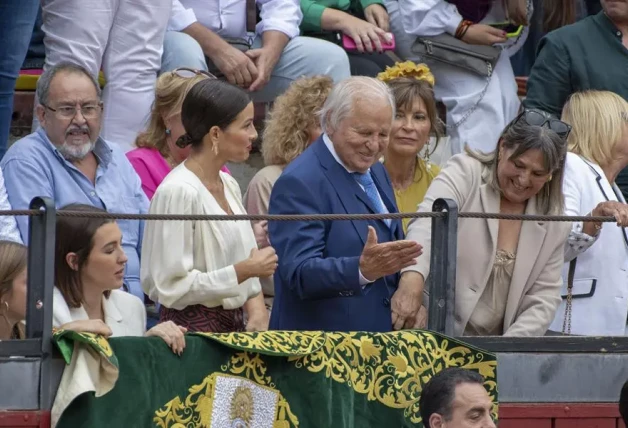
(295, 112)
(598, 122)
(13, 257)
(170, 92)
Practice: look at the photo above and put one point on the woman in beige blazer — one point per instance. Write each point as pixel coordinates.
(508, 275)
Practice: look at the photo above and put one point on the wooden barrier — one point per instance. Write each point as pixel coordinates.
(555, 415)
(522, 82)
(25, 418)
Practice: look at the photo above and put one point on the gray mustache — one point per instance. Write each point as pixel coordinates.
(82, 128)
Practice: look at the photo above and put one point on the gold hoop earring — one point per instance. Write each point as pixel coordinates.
(215, 148)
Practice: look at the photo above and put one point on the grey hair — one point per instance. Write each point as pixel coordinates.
(523, 137)
(43, 84)
(343, 95)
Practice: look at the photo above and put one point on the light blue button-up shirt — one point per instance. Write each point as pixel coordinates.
(34, 167)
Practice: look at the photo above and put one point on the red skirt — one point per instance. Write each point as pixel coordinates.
(200, 318)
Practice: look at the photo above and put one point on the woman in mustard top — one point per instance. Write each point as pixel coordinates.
(415, 122)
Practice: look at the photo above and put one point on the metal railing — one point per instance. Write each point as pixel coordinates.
(445, 215)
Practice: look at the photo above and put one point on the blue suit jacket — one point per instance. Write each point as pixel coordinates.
(317, 284)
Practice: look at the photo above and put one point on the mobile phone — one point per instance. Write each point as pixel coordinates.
(511, 29)
(349, 44)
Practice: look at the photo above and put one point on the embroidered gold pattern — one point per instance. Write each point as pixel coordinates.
(390, 368)
(97, 341)
(242, 405)
(196, 410)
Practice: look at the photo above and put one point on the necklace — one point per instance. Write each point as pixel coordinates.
(173, 164)
(400, 186)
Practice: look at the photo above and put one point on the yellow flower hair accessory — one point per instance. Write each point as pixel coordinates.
(407, 69)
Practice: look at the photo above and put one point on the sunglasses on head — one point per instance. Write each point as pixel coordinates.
(187, 73)
(534, 117)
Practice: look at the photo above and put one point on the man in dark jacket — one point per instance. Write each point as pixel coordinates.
(590, 54)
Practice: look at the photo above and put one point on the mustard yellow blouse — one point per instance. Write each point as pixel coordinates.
(409, 198)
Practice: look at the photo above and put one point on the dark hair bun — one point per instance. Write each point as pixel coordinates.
(210, 103)
(184, 141)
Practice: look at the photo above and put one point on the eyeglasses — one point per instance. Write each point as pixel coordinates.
(88, 111)
(187, 73)
(535, 117)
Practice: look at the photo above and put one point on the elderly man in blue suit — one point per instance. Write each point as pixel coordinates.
(341, 275)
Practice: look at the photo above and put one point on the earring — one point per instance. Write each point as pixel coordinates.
(550, 178)
(426, 156)
(168, 132)
(6, 305)
(215, 148)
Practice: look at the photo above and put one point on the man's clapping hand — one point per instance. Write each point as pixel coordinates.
(378, 260)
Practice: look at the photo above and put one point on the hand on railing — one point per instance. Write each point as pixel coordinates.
(379, 260)
(407, 301)
(172, 334)
(612, 209)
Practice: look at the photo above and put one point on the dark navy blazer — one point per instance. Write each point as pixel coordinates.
(317, 281)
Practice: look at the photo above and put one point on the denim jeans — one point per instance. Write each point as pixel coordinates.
(17, 19)
(302, 56)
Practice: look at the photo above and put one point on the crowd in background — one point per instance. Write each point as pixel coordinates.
(352, 129)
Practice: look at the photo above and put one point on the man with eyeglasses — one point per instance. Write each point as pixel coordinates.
(67, 160)
(264, 57)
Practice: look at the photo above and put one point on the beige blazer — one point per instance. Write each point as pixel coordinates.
(536, 282)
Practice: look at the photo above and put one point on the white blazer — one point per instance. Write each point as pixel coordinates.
(124, 313)
(600, 289)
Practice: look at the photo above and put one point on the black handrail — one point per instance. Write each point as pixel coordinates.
(41, 254)
(442, 277)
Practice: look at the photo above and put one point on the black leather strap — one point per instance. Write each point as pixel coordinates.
(251, 16)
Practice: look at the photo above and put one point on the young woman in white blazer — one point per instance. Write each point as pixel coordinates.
(597, 253)
(89, 272)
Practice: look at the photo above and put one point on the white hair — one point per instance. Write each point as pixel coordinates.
(342, 98)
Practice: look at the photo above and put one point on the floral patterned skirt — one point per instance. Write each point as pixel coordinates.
(200, 318)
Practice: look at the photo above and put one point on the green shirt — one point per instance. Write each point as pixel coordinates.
(313, 10)
(586, 55)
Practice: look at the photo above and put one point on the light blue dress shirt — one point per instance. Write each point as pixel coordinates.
(8, 226)
(34, 167)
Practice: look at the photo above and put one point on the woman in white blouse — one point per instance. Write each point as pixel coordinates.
(204, 273)
(478, 106)
(596, 254)
(89, 272)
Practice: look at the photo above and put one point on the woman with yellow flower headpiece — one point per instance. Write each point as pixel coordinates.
(415, 122)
